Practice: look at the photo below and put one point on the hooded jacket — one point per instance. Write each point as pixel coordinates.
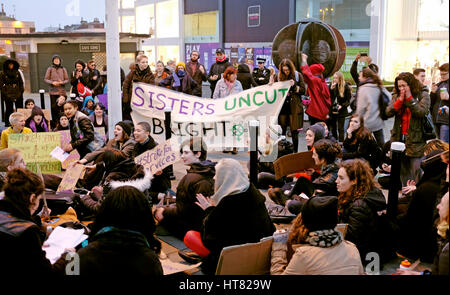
(367, 105)
(85, 110)
(245, 77)
(185, 215)
(30, 123)
(319, 94)
(11, 83)
(217, 68)
(361, 216)
(56, 73)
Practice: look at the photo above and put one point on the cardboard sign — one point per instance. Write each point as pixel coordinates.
(294, 163)
(27, 113)
(71, 177)
(36, 149)
(160, 157)
(74, 155)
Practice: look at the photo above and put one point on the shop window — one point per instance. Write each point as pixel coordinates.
(128, 25)
(167, 21)
(145, 19)
(127, 4)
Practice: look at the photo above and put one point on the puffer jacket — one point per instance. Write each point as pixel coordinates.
(419, 107)
(222, 89)
(326, 182)
(367, 105)
(185, 215)
(436, 103)
(11, 83)
(361, 217)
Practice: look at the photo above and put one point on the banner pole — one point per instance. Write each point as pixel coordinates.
(397, 149)
(253, 128)
(41, 93)
(168, 128)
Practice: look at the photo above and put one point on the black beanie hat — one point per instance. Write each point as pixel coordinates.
(320, 213)
(126, 127)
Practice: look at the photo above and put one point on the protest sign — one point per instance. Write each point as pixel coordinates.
(71, 177)
(27, 113)
(221, 122)
(36, 149)
(160, 157)
(293, 163)
(74, 155)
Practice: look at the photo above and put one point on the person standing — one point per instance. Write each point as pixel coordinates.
(57, 77)
(440, 104)
(180, 81)
(261, 74)
(367, 106)
(217, 69)
(245, 77)
(12, 88)
(197, 71)
(160, 74)
(93, 78)
(341, 93)
(420, 75)
(141, 73)
(78, 76)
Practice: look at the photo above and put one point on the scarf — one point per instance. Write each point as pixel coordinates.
(176, 80)
(34, 127)
(222, 59)
(324, 238)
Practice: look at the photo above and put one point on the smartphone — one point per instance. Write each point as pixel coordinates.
(363, 54)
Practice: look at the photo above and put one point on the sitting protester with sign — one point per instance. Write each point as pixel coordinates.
(185, 215)
(37, 121)
(17, 121)
(144, 142)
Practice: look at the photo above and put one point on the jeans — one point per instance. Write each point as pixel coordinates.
(443, 133)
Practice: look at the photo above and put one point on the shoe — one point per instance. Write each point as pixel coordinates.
(277, 196)
(190, 256)
(234, 151)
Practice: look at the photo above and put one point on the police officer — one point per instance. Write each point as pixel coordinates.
(261, 74)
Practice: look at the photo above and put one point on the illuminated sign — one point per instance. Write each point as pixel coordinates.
(254, 16)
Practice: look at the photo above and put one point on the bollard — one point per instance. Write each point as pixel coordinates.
(168, 128)
(41, 93)
(397, 149)
(253, 130)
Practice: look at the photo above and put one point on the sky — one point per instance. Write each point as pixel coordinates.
(46, 13)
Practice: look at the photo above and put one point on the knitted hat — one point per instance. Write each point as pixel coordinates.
(181, 64)
(126, 127)
(317, 69)
(320, 213)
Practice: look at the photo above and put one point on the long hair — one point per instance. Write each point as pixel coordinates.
(369, 74)
(297, 235)
(127, 208)
(341, 83)
(286, 63)
(362, 131)
(359, 171)
(20, 185)
(414, 85)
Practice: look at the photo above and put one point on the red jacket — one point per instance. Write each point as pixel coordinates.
(318, 92)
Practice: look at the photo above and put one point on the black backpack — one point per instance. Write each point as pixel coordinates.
(383, 102)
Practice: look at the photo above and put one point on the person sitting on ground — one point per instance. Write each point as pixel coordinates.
(10, 159)
(29, 104)
(88, 106)
(145, 142)
(17, 121)
(99, 117)
(185, 215)
(37, 121)
(180, 80)
(21, 235)
(121, 242)
(235, 215)
(360, 203)
(328, 134)
(63, 123)
(314, 133)
(314, 246)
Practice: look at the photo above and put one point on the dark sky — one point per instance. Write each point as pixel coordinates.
(47, 13)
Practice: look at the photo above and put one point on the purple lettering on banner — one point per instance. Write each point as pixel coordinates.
(182, 106)
(210, 107)
(136, 92)
(173, 101)
(197, 109)
(151, 100)
(162, 101)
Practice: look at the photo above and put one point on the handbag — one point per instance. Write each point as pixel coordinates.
(428, 129)
(83, 91)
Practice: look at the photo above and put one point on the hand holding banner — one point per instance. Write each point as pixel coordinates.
(160, 157)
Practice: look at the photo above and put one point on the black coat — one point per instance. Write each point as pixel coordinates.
(237, 219)
(187, 84)
(436, 103)
(85, 127)
(337, 99)
(361, 217)
(245, 77)
(185, 215)
(264, 74)
(119, 253)
(11, 83)
(160, 183)
(326, 182)
(217, 68)
(74, 82)
(92, 84)
(364, 148)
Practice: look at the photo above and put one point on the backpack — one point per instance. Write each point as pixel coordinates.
(383, 102)
(376, 156)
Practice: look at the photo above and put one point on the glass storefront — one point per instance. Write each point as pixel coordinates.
(201, 27)
(145, 20)
(128, 25)
(167, 21)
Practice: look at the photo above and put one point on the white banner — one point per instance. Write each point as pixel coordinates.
(221, 122)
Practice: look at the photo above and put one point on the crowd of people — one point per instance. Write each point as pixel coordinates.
(216, 205)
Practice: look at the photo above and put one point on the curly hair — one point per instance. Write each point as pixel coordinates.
(414, 85)
(286, 63)
(328, 150)
(297, 235)
(359, 171)
(20, 185)
(435, 145)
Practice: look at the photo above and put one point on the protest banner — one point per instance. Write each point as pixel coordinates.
(221, 122)
(27, 113)
(160, 157)
(74, 155)
(293, 163)
(71, 177)
(36, 149)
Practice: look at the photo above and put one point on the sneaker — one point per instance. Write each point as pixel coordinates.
(190, 256)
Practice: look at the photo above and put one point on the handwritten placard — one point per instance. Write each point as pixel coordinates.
(293, 163)
(74, 155)
(160, 157)
(36, 149)
(27, 113)
(71, 177)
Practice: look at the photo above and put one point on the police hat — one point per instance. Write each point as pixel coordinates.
(261, 60)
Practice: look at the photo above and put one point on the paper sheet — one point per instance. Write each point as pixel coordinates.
(170, 267)
(60, 239)
(59, 154)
